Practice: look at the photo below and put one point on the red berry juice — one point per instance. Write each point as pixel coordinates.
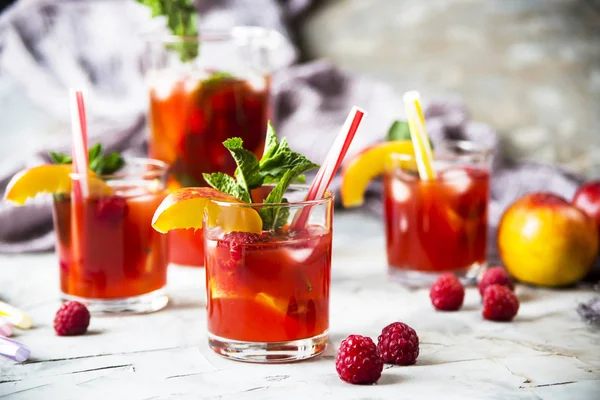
(275, 289)
(437, 226)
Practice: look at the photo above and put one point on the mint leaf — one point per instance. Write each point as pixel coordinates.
(283, 159)
(97, 162)
(59, 158)
(95, 151)
(271, 143)
(400, 130)
(275, 217)
(181, 20)
(227, 184)
(247, 172)
(217, 77)
(109, 164)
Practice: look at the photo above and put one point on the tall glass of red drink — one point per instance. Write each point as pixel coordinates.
(110, 257)
(268, 293)
(440, 225)
(195, 105)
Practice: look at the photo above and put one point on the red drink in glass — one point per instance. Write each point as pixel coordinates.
(268, 294)
(110, 257)
(195, 106)
(438, 225)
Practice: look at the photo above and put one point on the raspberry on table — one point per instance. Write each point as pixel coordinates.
(447, 293)
(398, 344)
(358, 360)
(71, 319)
(499, 303)
(495, 276)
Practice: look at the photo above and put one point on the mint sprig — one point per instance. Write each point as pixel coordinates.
(98, 162)
(279, 165)
(182, 21)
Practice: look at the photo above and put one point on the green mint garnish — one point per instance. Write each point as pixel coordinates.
(400, 131)
(182, 20)
(98, 162)
(227, 184)
(279, 165)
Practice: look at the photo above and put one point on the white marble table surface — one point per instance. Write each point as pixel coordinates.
(546, 353)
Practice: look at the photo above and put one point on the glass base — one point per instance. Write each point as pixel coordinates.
(417, 279)
(274, 352)
(145, 303)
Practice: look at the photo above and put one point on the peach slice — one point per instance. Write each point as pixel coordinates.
(49, 178)
(184, 209)
(367, 165)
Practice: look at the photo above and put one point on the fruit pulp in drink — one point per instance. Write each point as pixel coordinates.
(438, 225)
(106, 246)
(276, 290)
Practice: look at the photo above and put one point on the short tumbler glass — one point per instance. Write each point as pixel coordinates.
(268, 293)
(440, 225)
(110, 257)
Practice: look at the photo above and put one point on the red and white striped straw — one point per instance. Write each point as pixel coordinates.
(332, 162)
(80, 144)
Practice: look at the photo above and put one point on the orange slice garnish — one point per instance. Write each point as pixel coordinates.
(50, 178)
(184, 209)
(367, 165)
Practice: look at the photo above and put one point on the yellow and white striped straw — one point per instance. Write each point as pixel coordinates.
(419, 136)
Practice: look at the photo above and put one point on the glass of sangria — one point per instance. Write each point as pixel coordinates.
(439, 225)
(268, 292)
(110, 257)
(198, 103)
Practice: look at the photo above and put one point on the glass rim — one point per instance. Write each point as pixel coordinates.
(470, 147)
(161, 169)
(328, 197)
(267, 35)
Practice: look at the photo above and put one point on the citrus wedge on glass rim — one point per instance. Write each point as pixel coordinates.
(184, 209)
(367, 165)
(48, 178)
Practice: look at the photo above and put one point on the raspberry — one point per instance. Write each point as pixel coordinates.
(499, 303)
(398, 344)
(111, 209)
(495, 276)
(358, 360)
(72, 318)
(235, 242)
(447, 293)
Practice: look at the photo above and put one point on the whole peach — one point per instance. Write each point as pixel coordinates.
(544, 240)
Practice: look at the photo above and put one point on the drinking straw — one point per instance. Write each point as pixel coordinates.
(13, 350)
(80, 151)
(80, 188)
(332, 162)
(6, 328)
(15, 316)
(419, 136)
